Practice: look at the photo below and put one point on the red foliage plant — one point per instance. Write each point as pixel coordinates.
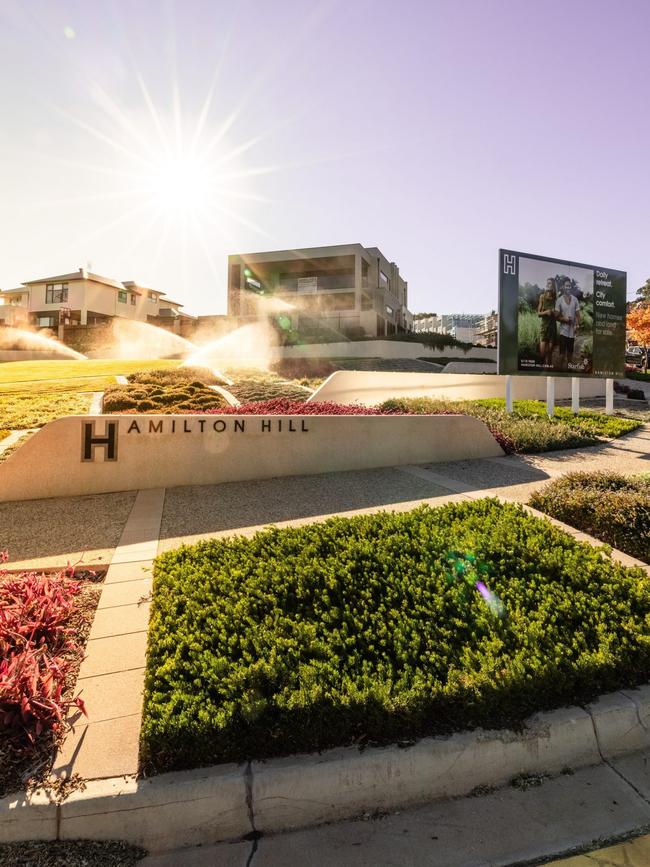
(37, 649)
(284, 406)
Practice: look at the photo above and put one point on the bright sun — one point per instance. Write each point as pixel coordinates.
(181, 183)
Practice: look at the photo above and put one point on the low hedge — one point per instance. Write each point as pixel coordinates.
(370, 630)
(612, 507)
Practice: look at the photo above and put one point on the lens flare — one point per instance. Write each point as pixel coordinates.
(467, 569)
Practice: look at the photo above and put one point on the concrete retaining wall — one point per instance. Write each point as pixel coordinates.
(380, 349)
(228, 802)
(374, 387)
(82, 455)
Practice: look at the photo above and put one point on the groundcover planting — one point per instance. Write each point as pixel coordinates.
(528, 428)
(612, 507)
(381, 628)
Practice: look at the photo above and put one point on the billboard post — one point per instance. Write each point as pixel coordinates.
(575, 395)
(550, 396)
(609, 397)
(560, 318)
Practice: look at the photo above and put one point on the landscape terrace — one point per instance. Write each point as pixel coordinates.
(339, 559)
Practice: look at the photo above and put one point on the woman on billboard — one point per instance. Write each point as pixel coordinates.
(547, 316)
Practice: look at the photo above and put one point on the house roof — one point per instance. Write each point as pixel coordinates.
(81, 274)
(167, 300)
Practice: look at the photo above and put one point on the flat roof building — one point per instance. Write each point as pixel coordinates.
(348, 289)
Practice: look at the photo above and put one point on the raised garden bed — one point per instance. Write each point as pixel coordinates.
(372, 630)
(612, 507)
(183, 389)
(45, 619)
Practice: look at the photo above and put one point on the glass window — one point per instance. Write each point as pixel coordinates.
(121, 296)
(56, 293)
(153, 298)
(133, 299)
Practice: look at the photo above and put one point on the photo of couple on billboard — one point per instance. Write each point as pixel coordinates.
(555, 318)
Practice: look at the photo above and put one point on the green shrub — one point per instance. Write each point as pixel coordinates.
(609, 506)
(354, 630)
(180, 396)
(528, 428)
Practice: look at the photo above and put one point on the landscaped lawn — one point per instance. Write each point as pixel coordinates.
(372, 629)
(251, 384)
(612, 507)
(90, 375)
(22, 411)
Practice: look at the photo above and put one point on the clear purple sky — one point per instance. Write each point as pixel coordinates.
(437, 131)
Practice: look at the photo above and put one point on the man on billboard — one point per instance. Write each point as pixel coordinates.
(567, 309)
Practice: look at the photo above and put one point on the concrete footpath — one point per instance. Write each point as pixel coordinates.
(533, 822)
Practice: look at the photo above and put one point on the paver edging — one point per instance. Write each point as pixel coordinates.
(228, 802)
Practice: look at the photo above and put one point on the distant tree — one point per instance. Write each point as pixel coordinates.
(643, 292)
(638, 321)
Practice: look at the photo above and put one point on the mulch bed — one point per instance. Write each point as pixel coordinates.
(70, 853)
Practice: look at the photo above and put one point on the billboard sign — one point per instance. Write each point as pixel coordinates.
(560, 318)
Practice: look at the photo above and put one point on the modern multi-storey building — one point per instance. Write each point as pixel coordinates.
(349, 289)
(82, 298)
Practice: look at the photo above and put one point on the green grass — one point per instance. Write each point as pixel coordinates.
(612, 507)
(366, 630)
(528, 429)
(22, 411)
(89, 375)
(4, 433)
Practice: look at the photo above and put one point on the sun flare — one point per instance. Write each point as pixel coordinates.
(181, 183)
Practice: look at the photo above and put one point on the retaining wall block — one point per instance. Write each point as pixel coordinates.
(27, 817)
(171, 811)
(622, 721)
(308, 790)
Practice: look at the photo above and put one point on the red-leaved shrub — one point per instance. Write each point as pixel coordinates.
(37, 649)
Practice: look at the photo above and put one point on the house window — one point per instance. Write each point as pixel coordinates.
(56, 293)
(46, 321)
(153, 298)
(121, 296)
(389, 310)
(383, 278)
(133, 299)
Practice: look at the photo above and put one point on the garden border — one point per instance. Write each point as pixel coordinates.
(231, 802)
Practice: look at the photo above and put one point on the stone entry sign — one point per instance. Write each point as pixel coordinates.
(86, 455)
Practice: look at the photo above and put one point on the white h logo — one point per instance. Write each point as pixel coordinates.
(508, 264)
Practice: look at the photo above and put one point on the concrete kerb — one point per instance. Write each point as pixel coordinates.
(229, 802)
